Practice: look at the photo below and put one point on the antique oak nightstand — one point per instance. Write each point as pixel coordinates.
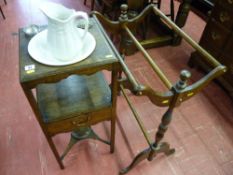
(73, 97)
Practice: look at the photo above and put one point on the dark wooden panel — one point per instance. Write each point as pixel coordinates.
(228, 50)
(210, 48)
(217, 39)
(202, 7)
(215, 34)
(223, 15)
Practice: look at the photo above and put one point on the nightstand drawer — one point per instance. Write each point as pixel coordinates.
(82, 120)
(223, 15)
(68, 124)
(215, 35)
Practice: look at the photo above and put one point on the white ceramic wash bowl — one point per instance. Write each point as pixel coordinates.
(38, 49)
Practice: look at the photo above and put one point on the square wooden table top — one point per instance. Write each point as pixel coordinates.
(101, 58)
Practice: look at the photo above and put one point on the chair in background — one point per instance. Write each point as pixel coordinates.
(158, 3)
(110, 8)
(92, 3)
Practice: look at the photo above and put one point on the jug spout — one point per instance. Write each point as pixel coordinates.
(57, 12)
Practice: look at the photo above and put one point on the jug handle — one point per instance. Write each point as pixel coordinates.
(85, 17)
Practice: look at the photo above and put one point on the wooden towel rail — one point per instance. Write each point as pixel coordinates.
(174, 96)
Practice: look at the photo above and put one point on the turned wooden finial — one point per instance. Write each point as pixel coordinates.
(184, 76)
(124, 9)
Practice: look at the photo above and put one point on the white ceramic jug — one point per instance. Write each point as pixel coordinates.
(64, 41)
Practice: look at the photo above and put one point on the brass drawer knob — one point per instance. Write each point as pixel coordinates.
(74, 122)
(81, 121)
(224, 16)
(214, 35)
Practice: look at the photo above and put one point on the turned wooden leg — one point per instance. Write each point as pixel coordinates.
(112, 142)
(55, 152)
(92, 4)
(157, 146)
(166, 119)
(159, 4)
(172, 10)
